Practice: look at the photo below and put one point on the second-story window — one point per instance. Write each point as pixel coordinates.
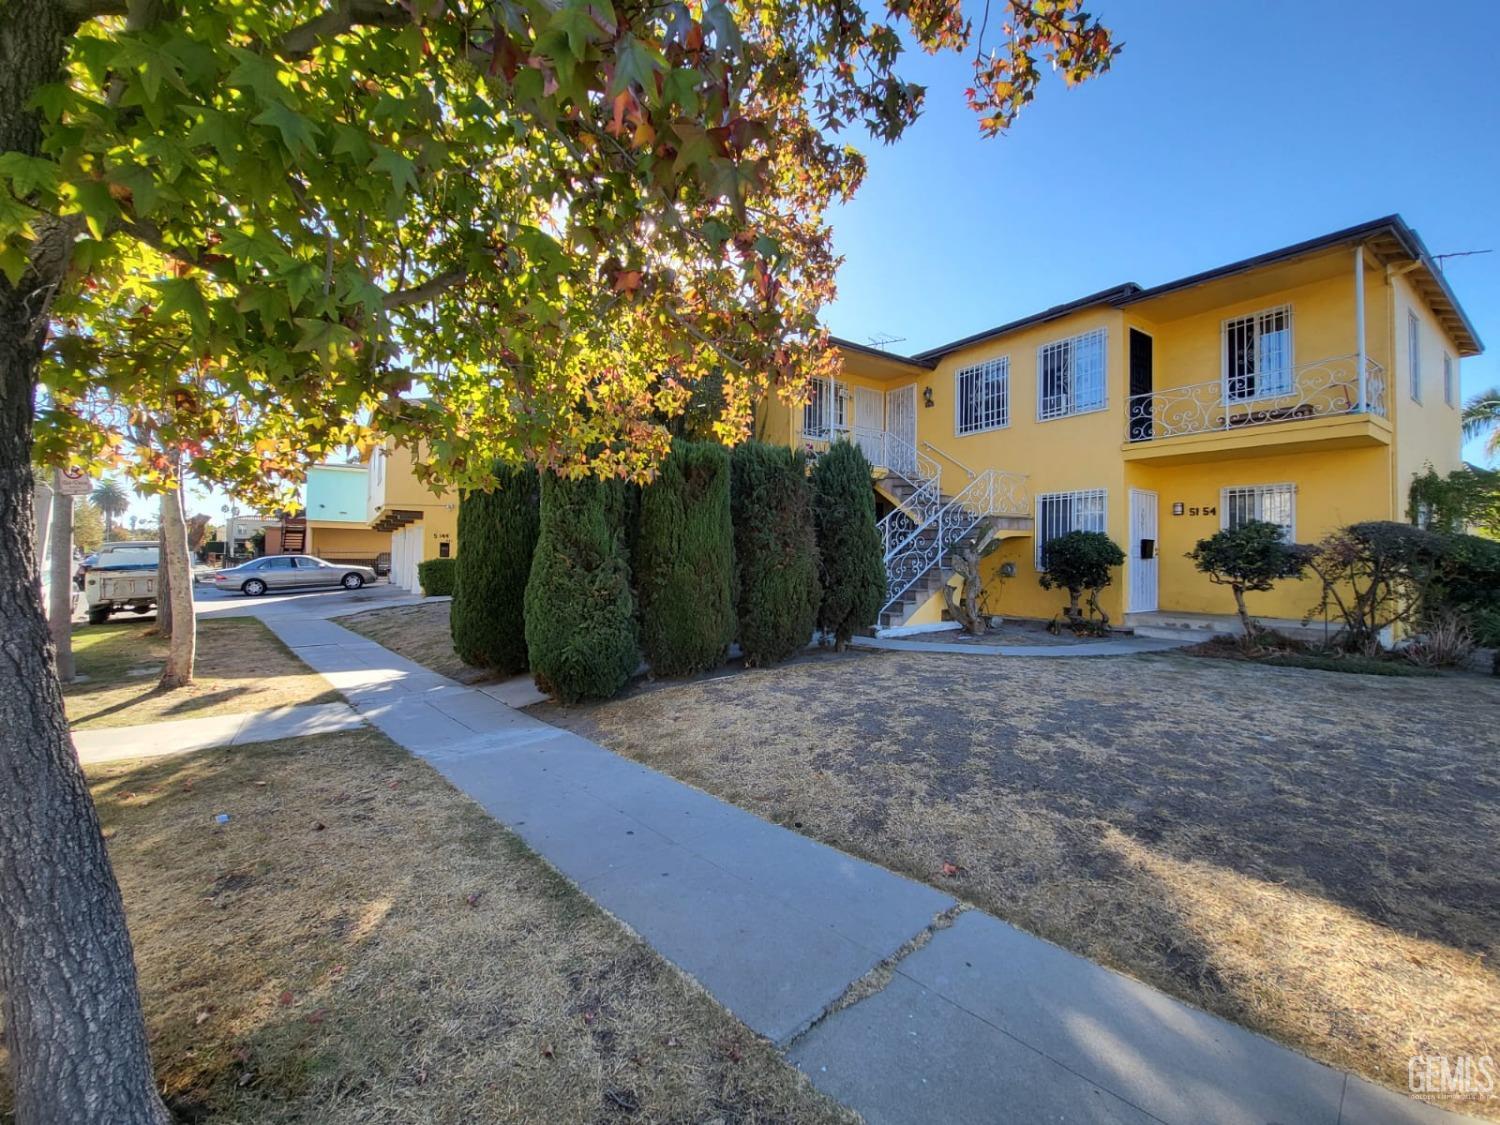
(1070, 376)
(983, 396)
(1414, 354)
(1258, 354)
(825, 414)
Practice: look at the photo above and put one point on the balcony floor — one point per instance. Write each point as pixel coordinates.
(1338, 431)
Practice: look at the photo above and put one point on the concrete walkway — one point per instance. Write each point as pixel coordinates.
(182, 736)
(1120, 646)
(977, 1021)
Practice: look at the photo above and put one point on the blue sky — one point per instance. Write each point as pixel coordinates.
(1223, 130)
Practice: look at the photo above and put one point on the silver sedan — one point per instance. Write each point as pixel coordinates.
(286, 572)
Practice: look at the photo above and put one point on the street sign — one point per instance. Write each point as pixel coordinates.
(74, 482)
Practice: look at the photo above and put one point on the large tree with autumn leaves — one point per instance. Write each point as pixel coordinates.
(266, 224)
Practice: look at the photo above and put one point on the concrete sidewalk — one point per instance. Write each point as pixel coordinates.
(182, 736)
(976, 1021)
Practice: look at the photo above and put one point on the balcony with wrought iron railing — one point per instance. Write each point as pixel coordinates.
(1322, 389)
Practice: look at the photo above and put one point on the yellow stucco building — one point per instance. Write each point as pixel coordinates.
(1305, 386)
(422, 524)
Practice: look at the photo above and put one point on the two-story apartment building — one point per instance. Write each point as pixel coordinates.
(422, 524)
(1305, 386)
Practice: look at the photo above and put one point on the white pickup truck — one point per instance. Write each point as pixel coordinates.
(123, 576)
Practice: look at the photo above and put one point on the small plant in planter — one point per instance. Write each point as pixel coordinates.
(1250, 558)
(1080, 562)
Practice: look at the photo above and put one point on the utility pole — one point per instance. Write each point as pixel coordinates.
(60, 599)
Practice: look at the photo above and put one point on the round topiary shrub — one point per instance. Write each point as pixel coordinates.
(684, 561)
(580, 613)
(498, 532)
(851, 567)
(1080, 561)
(436, 577)
(776, 555)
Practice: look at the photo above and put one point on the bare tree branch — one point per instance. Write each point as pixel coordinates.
(347, 14)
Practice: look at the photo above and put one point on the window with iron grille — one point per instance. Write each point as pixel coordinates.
(817, 418)
(1270, 503)
(1414, 354)
(1058, 513)
(983, 396)
(1450, 380)
(1070, 376)
(1258, 354)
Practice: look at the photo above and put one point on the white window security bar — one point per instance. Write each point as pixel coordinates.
(1058, 513)
(1071, 376)
(982, 397)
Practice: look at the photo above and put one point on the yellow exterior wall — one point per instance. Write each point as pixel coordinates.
(394, 486)
(333, 538)
(1333, 488)
(1426, 432)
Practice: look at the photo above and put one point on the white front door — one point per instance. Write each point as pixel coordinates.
(869, 424)
(901, 421)
(1143, 552)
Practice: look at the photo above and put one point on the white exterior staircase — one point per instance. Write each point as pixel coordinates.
(927, 525)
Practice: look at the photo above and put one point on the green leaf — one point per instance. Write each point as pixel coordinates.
(635, 64)
(403, 172)
(29, 174)
(181, 294)
(92, 198)
(13, 263)
(298, 134)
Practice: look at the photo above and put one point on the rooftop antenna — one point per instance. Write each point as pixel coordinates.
(1438, 258)
(883, 340)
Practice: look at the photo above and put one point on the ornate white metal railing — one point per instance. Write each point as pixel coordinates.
(1313, 390)
(990, 494)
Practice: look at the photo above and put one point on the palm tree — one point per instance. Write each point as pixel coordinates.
(112, 500)
(1481, 419)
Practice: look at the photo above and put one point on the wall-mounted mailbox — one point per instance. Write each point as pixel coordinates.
(1148, 548)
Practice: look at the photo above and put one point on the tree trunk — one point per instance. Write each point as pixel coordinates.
(60, 581)
(73, 1022)
(1239, 604)
(182, 649)
(163, 572)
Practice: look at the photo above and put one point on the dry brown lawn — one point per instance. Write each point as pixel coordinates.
(420, 633)
(1310, 854)
(360, 943)
(241, 666)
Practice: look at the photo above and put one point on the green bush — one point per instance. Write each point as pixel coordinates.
(436, 577)
(1375, 575)
(684, 561)
(580, 614)
(1079, 561)
(498, 531)
(1468, 584)
(1252, 557)
(851, 567)
(776, 555)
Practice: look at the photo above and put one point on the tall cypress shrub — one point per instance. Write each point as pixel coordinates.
(776, 557)
(684, 561)
(580, 613)
(497, 532)
(850, 564)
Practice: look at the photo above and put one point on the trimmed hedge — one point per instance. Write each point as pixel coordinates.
(498, 531)
(850, 564)
(580, 613)
(776, 554)
(436, 577)
(684, 561)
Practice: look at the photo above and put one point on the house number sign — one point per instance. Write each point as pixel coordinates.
(1179, 509)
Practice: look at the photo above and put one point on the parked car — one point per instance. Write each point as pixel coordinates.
(286, 572)
(122, 576)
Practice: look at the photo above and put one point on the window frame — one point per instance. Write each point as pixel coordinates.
(1450, 378)
(1072, 342)
(1101, 495)
(1260, 491)
(976, 372)
(1256, 319)
(1414, 354)
(835, 408)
